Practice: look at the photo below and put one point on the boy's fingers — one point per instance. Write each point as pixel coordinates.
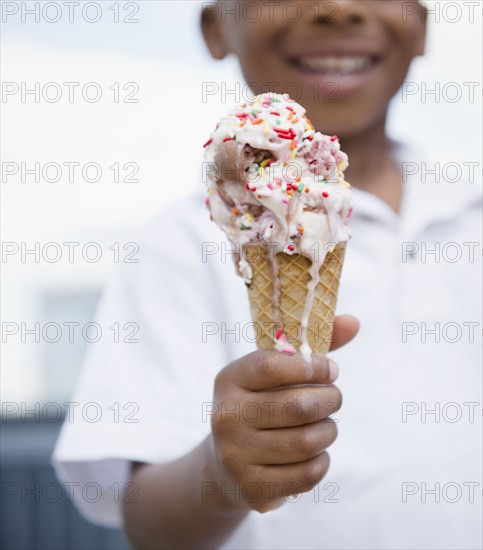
(345, 328)
(269, 369)
(293, 406)
(289, 445)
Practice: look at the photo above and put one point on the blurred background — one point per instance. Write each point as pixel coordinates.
(103, 114)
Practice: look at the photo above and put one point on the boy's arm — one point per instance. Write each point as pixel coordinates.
(197, 501)
(173, 510)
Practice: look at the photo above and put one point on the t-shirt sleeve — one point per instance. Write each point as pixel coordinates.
(145, 388)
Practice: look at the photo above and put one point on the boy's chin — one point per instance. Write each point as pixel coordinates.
(342, 121)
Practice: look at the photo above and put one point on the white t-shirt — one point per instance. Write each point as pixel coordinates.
(406, 467)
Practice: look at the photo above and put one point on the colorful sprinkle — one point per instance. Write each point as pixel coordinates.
(208, 142)
(325, 194)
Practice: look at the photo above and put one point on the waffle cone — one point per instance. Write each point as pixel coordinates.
(294, 276)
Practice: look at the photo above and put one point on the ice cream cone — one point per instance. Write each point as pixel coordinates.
(276, 187)
(275, 308)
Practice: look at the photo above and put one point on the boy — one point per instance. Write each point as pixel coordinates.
(396, 480)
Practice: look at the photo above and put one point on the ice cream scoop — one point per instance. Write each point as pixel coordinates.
(276, 183)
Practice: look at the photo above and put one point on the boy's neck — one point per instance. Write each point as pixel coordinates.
(372, 167)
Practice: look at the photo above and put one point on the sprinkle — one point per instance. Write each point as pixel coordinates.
(247, 186)
(294, 187)
(208, 142)
(289, 192)
(292, 155)
(259, 196)
(307, 189)
(300, 188)
(254, 113)
(285, 201)
(276, 113)
(331, 249)
(270, 186)
(266, 129)
(257, 121)
(325, 194)
(297, 178)
(350, 212)
(290, 116)
(278, 181)
(301, 229)
(253, 189)
(292, 145)
(279, 333)
(290, 109)
(285, 134)
(228, 139)
(265, 162)
(334, 138)
(207, 202)
(291, 247)
(242, 123)
(277, 122)
(236, 212)
(295, 120)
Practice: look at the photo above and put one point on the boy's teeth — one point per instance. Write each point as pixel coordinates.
(336, 65)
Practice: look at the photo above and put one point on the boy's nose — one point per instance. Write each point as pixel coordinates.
(344, 12)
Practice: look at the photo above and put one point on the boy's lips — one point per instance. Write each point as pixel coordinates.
(339, 65)
(347, 69)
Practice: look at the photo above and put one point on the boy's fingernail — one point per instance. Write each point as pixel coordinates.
(334, 371)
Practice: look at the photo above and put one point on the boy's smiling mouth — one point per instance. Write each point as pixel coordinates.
(347, 68)
(335, 65)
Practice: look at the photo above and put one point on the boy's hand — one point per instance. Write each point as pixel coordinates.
(271, 427)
